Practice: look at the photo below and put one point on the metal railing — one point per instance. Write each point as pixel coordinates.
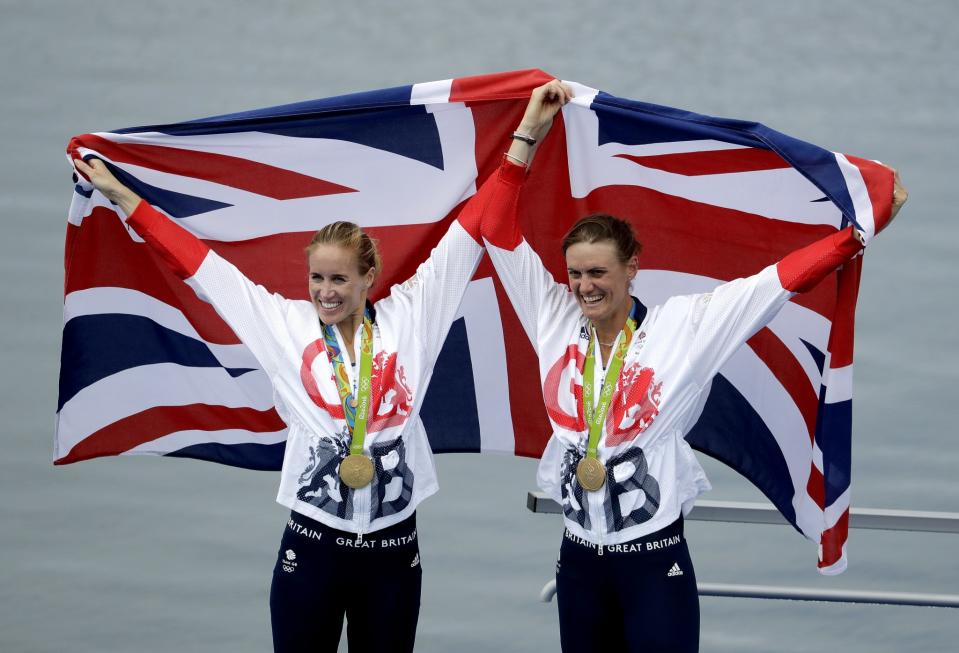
(759, 513)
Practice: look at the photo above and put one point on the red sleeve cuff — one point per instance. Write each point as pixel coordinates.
(491, 210)
(501, 218)
(143, 217)
(180, 250)
(801, 270)
(846, 244)
(511, 172)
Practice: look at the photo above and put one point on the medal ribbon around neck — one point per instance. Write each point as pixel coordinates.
(356, 410)
(596, 417)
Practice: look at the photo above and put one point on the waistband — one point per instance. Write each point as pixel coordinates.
(400, 534)
(665, 538)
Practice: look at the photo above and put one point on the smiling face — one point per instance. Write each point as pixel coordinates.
(337, 287)
(600, 282)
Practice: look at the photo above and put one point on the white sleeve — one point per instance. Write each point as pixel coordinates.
(540, 302)
(431, 297)
(257, 316)
(722, 320)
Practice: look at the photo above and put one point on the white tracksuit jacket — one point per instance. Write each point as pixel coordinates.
(664, 382)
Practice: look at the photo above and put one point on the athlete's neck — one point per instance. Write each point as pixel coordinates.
(348, 327)
(608, 329)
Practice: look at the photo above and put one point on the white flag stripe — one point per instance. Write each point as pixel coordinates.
(583, 95)
(781, 415)
(836, 509)
(123, 301)
(817, 457)
(181, 439)
(838, 382)
(795, 323)
(458, 140)
(437, 92)
(769, 399)
(163, 384)
(808, 516)
(484, 331)
(80, 205)
(407, 187)
(861, 202)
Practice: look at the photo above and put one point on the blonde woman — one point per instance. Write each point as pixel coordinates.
(349, 379)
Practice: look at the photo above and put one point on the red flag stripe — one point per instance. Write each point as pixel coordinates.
(790, 374)
(252, 176)
(690, 245)
(816, 486)
(497, 86)
(832, 541)
(146, 426)
(716, 162)
(842, 334)
(879, 182)
(104, 255)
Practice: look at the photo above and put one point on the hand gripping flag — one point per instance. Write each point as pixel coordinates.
(149, 368)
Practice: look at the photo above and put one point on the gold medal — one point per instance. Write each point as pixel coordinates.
(591, 474)
(356, 470)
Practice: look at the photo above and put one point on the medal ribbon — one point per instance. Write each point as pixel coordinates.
(358, 414)
(596, 417)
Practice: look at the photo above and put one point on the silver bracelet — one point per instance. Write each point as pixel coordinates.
(526, 138)
(517, 160)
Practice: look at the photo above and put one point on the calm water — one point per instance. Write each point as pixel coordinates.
(140, 554)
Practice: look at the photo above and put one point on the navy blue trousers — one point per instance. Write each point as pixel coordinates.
(632, 597)
(322, 574)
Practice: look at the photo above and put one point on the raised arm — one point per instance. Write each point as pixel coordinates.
(725, 318)
(539, 301)
(434, 293)
(430, 299)
(254, 314)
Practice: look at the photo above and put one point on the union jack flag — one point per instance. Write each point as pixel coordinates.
(149, 368)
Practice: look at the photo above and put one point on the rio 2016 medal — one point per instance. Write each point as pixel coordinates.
(356, 470)
(591, 474)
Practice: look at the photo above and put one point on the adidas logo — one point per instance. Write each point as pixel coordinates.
(675, 570)
(416, 560)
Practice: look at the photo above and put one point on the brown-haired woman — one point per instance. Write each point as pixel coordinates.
(349, 379)
(614, 370)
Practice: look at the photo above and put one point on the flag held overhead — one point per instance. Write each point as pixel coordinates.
(712, 199)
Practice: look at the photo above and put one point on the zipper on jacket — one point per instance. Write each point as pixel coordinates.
(361, 510)
(595, 509)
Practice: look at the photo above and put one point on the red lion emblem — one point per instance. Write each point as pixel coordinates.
(390, 394)
(634, 406)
